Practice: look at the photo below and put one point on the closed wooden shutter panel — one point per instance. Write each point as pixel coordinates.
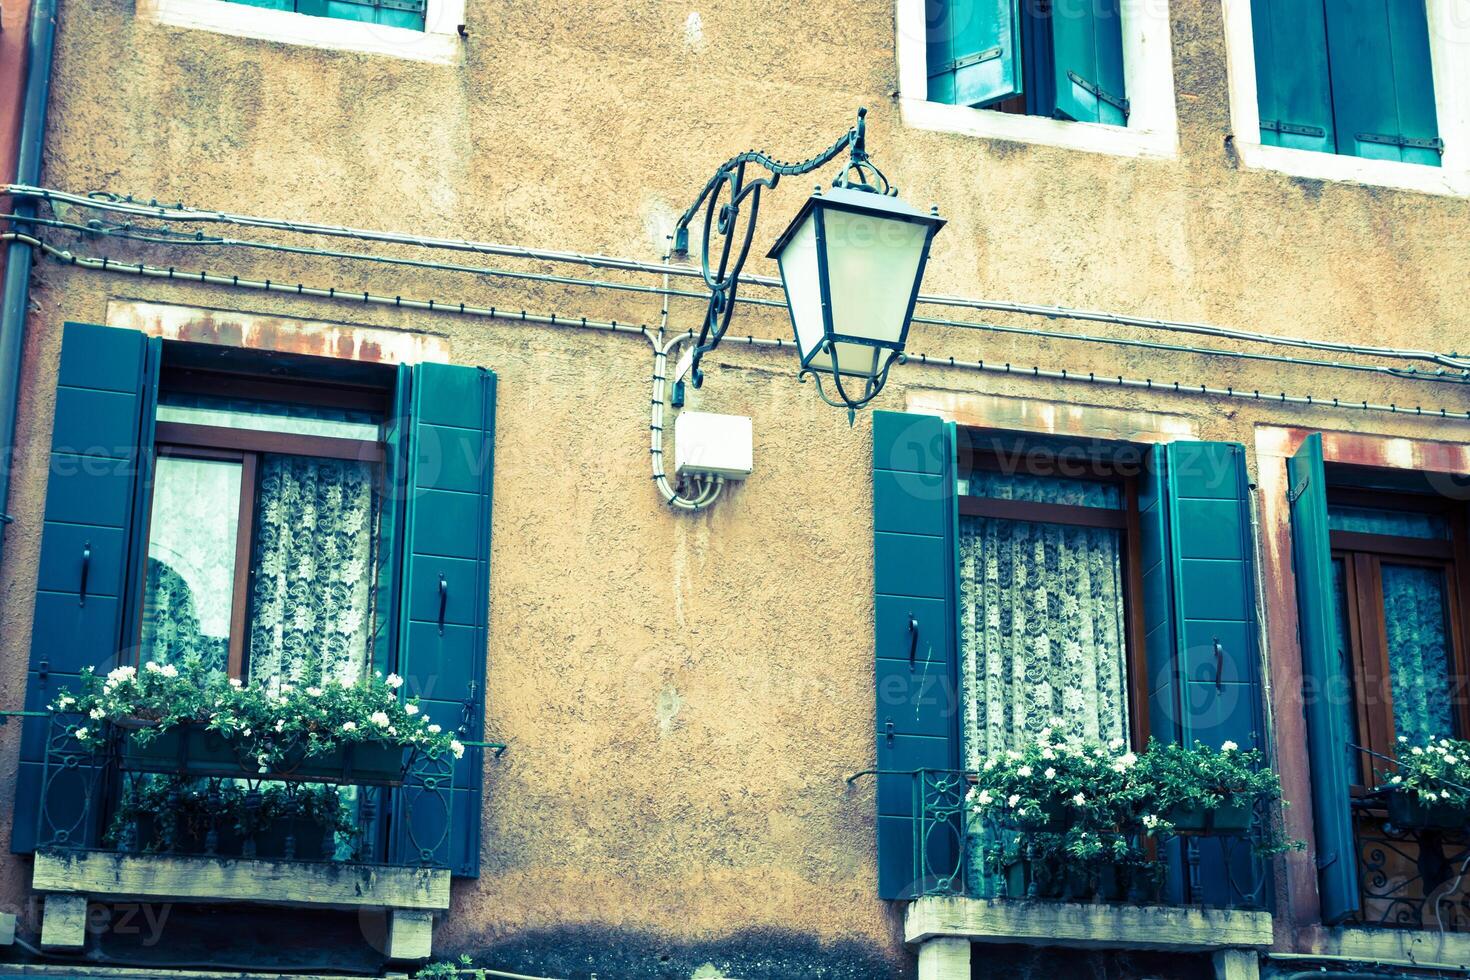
(1087, 52)
(972, 47)
(444, 596)
(1382, 86)
(915, 531)
(100, 443)
(1293, 89)
(1327, 723)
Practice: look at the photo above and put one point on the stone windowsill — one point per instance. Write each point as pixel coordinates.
(1042, 923)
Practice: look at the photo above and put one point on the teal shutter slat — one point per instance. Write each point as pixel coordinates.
(1087, 55)
(1294, 93)
(1365, 40)
(105, 386)
(1327, 727)
(1158, 599)
(972, 49)
(915, 532)
(391, 521)
(444, 596)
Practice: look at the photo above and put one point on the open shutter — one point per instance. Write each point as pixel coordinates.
(90, 532)
(1382, 87)
(1328, 750)
(1087, 52)
(972, 47)
(915, 530)
(444, 596)
(1292, 86)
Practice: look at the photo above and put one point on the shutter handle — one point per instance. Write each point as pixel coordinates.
(1219, 664)
(443, 600)
(913, 641)
(86, 566)
(888, 731)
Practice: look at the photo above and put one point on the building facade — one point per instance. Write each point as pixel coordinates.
(335, 359)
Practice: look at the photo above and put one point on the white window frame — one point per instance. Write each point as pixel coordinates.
(439, 42)
(1449, 54)
(1148, 74)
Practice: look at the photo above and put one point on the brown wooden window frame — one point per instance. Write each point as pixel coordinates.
(1098, 468)
(247, 446)
(1363, 555)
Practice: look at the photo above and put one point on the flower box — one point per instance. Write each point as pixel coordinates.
(1233, 816)
(1407, 811)
(196, 749)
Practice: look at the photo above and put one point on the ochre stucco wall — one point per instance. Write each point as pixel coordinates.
(682, 695)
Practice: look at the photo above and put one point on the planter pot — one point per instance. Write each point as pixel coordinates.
(197, 750)
(1233, 816)
(185, 749)
(366, 762)
(1408, 812)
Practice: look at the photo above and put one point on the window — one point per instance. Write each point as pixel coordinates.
(388, 13)
(420, 30)
(1057, 58)
(1347, 76)
(1046, 587)
(1398, 591)
(1092, 75)
(262, 541)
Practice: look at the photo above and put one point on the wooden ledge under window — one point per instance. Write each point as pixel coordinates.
(1086, 926)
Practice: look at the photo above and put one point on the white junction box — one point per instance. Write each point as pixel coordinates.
(706, 444)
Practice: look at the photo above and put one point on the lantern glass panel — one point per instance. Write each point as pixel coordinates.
(872, 272)
(800, 275)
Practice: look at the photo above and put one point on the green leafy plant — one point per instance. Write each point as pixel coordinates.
(274, 725)
(450, 970)
(1437, 773)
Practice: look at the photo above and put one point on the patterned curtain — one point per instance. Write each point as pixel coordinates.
(171, 629)
(1418, 652)
(312, 595)
(1042, 628)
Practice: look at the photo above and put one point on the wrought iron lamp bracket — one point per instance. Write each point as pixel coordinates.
(722, 263)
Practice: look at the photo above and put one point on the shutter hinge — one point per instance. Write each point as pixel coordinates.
(1295, 493)
(1437, 145)
(1292, 129)
(1096, 92)
(989, 54)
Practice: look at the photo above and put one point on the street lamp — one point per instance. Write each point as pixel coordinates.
(851, 263)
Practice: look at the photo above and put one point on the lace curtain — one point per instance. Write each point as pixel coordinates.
(312, 593)
(1042, 621)
(1418, 652)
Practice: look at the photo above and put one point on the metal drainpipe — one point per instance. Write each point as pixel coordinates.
(15, 293)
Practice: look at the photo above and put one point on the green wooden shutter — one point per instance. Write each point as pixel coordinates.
(972, 47)
(1327, 725)
(106, 388)
(915, 532)
(1087, 54)
(444, 598)
(390, 522)
(1293, 90)
(1382, 88)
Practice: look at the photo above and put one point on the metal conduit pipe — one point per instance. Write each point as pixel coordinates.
(15, 291)
(180, 213)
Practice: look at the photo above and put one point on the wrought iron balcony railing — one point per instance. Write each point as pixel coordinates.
(955, 854)
(188, 795)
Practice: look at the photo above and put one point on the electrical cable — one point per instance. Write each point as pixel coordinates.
(101, 201)
(552, 319)
(127, 232)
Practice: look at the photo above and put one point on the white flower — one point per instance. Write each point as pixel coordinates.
(1013, 800)
(984, 798)
(97, 714)
(1416, 750)
(234, 682)
(65, 701)
(169, 670)
(347, 683)
(81, 734)
(379, 718)
(393, 681)
(280, 724)
(1116, 744)
(287, 688)
(435, 729)
(1452, 759)
(1127, 759)
(410, 709)
(1043, 737)
(121, 675)
(1396, 780)
(1048, 754)
(315, 692)
(1050, 773)
(1150, 821)
(1228, 746)
(1079, 799)
(1403, 738)
(457, 747)
(151, 667)
(990, 763)
(246, 733)
(349, 726)
(1024, 772)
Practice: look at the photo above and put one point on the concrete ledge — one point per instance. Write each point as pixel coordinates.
(1390, 945)
(1086, 926)
(107, 876)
